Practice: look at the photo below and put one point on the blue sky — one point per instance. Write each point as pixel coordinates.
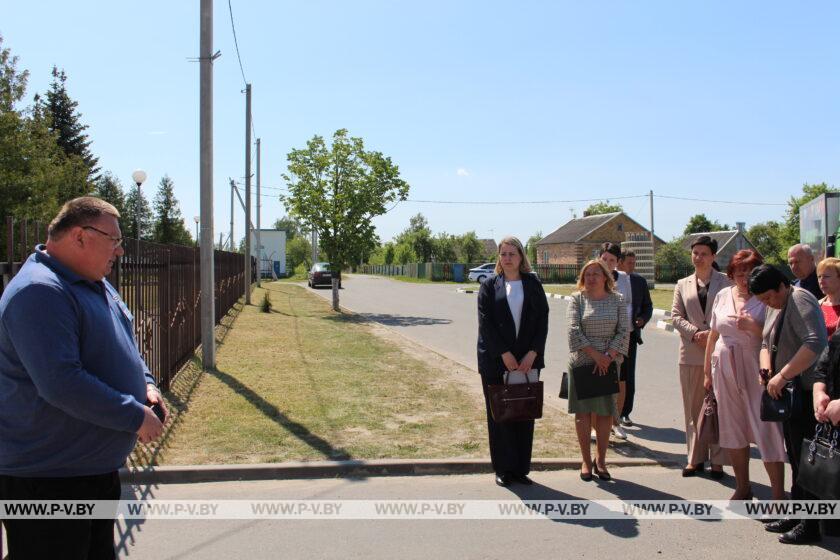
(475, 101)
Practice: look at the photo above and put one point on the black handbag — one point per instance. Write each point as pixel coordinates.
(788, 406)
(564, 385)
(819, 468)
(590, 384)
(515, 403)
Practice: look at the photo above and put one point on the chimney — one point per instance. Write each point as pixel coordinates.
(740, 226)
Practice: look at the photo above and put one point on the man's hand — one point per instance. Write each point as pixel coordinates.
(639, 323)
(151, 428)
(154, 397)
(527, 362)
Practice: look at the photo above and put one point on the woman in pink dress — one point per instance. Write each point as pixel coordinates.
(731, 369)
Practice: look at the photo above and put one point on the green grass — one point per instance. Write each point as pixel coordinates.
(305, 383)
(662, 299)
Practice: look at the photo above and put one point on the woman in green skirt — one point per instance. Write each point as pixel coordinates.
(598, 325)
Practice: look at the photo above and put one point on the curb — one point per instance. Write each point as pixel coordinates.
(466, 291)
(344, 469)
(661, 313)
(665, 326)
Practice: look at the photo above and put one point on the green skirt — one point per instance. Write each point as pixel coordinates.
(602, 406)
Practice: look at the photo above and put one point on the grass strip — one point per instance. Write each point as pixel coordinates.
(305, 383)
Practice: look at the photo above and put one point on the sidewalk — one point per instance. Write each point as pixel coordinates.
(424, 539)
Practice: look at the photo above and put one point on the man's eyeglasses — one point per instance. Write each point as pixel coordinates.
(117, 241)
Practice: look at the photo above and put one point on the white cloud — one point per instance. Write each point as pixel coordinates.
(462, 172)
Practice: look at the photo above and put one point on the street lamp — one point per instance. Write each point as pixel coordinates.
(196, 219)
(139, 177)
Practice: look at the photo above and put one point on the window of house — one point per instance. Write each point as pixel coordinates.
(545, 257)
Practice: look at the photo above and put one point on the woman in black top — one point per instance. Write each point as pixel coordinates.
(512, 328)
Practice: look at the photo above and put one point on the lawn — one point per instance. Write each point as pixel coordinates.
(305, 383)
(662, 299)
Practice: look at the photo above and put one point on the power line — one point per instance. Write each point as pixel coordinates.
(485, 202)
(236, 43)
(721, 201)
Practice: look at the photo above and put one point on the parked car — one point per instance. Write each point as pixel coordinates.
(321, 274)
(480, 273)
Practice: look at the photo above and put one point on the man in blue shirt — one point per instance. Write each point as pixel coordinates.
(73, 385)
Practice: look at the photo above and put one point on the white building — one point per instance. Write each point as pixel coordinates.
(272, 253)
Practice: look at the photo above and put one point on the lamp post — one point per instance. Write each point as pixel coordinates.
(139, 177)
(196, 219)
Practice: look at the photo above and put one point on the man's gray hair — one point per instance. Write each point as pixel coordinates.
(804, 247)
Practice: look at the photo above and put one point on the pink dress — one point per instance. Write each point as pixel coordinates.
(735, 380)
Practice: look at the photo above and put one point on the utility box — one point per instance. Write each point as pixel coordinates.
(271, 254)
(818, 223)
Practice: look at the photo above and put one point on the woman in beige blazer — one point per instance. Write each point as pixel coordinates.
(691, 314)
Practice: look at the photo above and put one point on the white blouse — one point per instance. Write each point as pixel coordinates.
(515, 299)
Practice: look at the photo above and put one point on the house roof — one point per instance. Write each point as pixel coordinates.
(722, 237)
(578, 228)
(574, 231)
(490, 246)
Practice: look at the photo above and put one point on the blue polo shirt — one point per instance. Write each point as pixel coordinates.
(72, 382)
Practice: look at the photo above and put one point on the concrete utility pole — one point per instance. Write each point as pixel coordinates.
(208, 300)
(259, 204)
(247, 194)
(230, 240)
(652, 238)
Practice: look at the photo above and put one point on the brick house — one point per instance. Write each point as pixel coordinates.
(578, 240)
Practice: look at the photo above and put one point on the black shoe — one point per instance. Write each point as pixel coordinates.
(717, 475)
(692, 470)
(503, 479)
(781, 525)
(625, 421)
(522, 479)
(603, 474)
(586, 477)
(805, 532)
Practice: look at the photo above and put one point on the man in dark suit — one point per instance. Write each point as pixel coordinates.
(642, 312)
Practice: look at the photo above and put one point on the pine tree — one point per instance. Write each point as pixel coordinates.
(169, 224)
(129, 221)
(67, 125)
(108, 188)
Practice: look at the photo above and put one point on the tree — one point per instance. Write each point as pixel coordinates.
(338, 190)
(291, 226)
(470, 249)
(531, 247)
(404, 254)
(699, 223)
(33, 169)
(298, 251)
(809, 193)
(672, 257)
(146, 221)
(388, 253)
(169, 223)
(108, 188)
(419, 236)
(443, 248)
(769, 241)
(66, 123)
(603, 207)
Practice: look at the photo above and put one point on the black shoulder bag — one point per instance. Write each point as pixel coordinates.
(789, 404)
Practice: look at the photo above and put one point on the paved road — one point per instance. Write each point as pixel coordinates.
(438, 316)
(467, 539)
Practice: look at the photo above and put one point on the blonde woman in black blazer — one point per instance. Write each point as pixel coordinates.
(512, 329)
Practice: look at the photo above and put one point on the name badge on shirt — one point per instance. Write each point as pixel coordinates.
(124, 308)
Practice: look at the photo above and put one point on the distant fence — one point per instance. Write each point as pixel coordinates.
(161, 286)
(457, 272)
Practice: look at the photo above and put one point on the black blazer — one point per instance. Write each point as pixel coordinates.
(642, 304)
(497, 331)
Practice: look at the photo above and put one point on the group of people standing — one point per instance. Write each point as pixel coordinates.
(743, 333)
(605, 319)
